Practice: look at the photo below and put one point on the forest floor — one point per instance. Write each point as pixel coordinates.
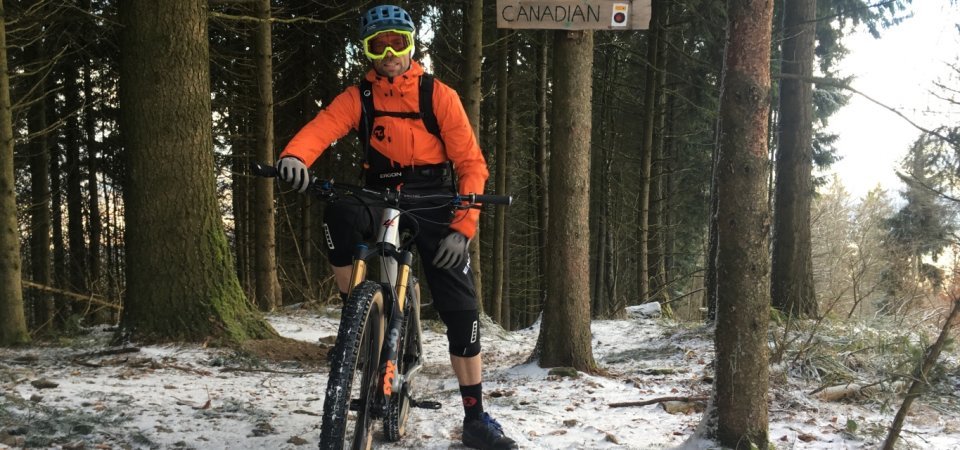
(81, 393)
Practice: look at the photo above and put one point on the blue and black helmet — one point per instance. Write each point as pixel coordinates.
(385, 17)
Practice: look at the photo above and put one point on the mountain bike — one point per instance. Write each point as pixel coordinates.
(379, 345)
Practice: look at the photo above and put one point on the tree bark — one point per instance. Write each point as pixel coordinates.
(506, 306)
(181, 282)
(472, 95)
(602, 298)
(76, 236)
(94, 223)
(268, 294)
(542, 167)
(743, 221)
(61, 307)
(657, 219)
(500, 219)
(710, 278)
(565, 333)
(791, 278)
(13, 324)
(39, 210)
(646, 153)
(241, 191)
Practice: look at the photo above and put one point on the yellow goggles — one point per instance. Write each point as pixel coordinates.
(398, 42)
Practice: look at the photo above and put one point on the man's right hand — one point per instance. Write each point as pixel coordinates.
(294, 171)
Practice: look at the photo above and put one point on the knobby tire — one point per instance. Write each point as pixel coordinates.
(355, 361)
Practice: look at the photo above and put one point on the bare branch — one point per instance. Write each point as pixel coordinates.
(843, 85)
(928, 187)
(310, 20)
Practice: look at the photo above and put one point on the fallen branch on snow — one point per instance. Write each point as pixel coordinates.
(658, 400)
(851, 390)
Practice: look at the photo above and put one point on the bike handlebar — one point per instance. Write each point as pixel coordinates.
(326, 187)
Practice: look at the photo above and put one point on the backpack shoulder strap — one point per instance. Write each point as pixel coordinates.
(426, 105)
(367, 112)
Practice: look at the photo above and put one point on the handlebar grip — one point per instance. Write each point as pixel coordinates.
(263, 170)
(493, 199)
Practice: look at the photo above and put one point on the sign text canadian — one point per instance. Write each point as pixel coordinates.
(574, 14)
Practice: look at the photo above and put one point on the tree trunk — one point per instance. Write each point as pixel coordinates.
(791, 279)
(668, 230)
(565, 333)
(472, 95)
(500, 220)
(181, 282)
(646, 153)
(95, 225)
(600, 307)
(61, 306)
(76, 236)
(13, 323)
(39, 210)
(506, 307)
(657, 221)
(743, 221)
(542, 164)
(112, 240)
(265, 256)
(603, 198)
(710, 278)
(241, 191)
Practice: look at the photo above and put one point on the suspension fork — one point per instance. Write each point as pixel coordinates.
(403, 277)
(359, 272)
(391, 380)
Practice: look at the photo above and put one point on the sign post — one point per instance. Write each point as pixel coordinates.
(574, 14)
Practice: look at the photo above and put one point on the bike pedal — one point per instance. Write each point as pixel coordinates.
(425, 404)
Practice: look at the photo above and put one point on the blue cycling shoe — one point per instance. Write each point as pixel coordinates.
(486, 433)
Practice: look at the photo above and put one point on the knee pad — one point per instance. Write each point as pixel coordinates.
(463, 332)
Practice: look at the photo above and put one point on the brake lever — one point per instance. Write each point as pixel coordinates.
(322, 188)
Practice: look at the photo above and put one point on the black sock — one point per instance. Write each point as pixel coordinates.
(472, 400)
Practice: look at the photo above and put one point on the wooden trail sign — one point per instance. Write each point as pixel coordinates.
(574, 14)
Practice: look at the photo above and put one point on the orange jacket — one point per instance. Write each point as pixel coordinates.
(406, 141)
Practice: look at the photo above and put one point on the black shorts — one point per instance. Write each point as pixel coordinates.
(347, 222)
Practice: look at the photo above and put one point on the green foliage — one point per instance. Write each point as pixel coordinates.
(778, 317)
(824, 153)
(924, 226)
(837, 18)
(851, 426)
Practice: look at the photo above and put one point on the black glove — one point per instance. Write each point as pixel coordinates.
(293, 171)
(452, 252)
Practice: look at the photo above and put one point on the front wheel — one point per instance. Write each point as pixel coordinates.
(408, 358)
(348, 414)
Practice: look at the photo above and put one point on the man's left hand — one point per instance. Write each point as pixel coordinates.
(452, 252)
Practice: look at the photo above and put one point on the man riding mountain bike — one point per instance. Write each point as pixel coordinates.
(417, 138)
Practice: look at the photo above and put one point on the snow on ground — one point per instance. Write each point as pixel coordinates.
(187, 396)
